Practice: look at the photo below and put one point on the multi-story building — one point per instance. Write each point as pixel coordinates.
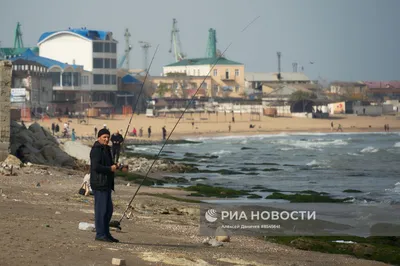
(227, 77)
(95, 50)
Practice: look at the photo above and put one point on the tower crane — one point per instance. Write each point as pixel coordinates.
(176, 42)
(145, 46)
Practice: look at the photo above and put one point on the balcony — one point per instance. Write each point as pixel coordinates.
(228, 77)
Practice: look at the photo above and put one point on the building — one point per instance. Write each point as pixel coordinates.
(256, 80)
(95, 50)
(350, 89)
(383, 90)
(227, 77)
(179, 86)
(41, 79)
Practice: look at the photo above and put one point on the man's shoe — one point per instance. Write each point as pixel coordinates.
(113, 239)
(104, 239)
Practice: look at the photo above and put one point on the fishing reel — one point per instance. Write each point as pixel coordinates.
(122, 167)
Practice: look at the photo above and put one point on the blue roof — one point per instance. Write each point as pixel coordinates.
(129, 79)
(46, 62)
(89, 34)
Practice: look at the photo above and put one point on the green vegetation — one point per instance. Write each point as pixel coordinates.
(352, 191)
(385, 249)
(313, 197)
(254, 196)
(219, 192)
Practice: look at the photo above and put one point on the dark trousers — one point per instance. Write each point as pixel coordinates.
(115, 152)
(103, 210)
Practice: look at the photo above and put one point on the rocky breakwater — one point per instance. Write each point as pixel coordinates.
(141, 164)
(37, 146)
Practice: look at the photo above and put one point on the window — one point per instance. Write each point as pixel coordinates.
(113, 79)
(98, 63)
(107, 47)
(236, 72)
(107, 63)
(107, 79)
(98, 79)
(98, 47)
(113, 48)
(84, 80)
(215, 87)
(113, 63)
(215, 72)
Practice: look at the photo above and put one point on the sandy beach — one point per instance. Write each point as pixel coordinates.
(214, 125)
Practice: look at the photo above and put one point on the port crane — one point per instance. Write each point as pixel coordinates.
(145, 46)
(128, 48)
(176, 45)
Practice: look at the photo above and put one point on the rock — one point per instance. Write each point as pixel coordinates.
(11, 160)
(222, 235)
(223, 238)
(116, 261)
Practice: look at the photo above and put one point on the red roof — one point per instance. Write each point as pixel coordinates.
(382, 84)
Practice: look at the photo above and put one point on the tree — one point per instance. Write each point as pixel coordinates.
(302, 95)
(162, 89)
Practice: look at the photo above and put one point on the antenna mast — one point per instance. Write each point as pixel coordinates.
(279, 65)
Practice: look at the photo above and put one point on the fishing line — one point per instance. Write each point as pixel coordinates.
(176, 124)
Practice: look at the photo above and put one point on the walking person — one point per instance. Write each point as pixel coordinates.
(102, 171)
(149, 131)
(116, 140)
(95, 131)
(141, 132)
(164, 133)
(53, 128)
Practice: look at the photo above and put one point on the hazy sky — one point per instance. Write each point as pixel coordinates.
(347, 39)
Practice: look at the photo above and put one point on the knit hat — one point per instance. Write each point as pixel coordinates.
(103, 131)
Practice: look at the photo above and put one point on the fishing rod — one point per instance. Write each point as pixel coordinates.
(118, 223)
(140, 93)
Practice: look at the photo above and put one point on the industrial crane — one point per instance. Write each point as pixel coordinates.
(128, 48)
(176, 42)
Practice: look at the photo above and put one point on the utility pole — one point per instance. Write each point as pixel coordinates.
(145, 46)
(279, 65)
(128, 48)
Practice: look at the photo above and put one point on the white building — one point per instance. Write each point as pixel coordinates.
(95, 50)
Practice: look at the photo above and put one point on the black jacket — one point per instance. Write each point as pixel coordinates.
(116, 140)
(101, 176)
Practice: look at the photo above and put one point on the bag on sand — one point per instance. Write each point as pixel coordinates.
(84, 190)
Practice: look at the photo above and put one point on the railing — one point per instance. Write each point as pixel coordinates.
(229, 77)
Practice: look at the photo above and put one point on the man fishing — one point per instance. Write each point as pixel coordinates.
(116, 140)
(102, 171)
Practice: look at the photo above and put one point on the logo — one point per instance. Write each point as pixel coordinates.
(211, 215)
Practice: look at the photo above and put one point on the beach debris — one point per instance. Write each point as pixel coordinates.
(212, 242)
(57, 212)
(86, 226)
(222, 235)
(116, 261)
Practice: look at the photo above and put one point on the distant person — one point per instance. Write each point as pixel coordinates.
(387, 127)
(95, 131)
(339, 128)
(116, 140)
(141, 132)
(384, 127)
(134, 132)
(364, 111)
(331, 126)
(149, 131)
(164, 133)
(57, 128)
(229, 127)
(105, 126)
(233, 119)
(192, 125)
(73, 135)
(53, 128)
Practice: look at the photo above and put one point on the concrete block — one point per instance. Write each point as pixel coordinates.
(120, 262)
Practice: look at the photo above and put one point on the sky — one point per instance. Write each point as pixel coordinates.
(346, 40)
